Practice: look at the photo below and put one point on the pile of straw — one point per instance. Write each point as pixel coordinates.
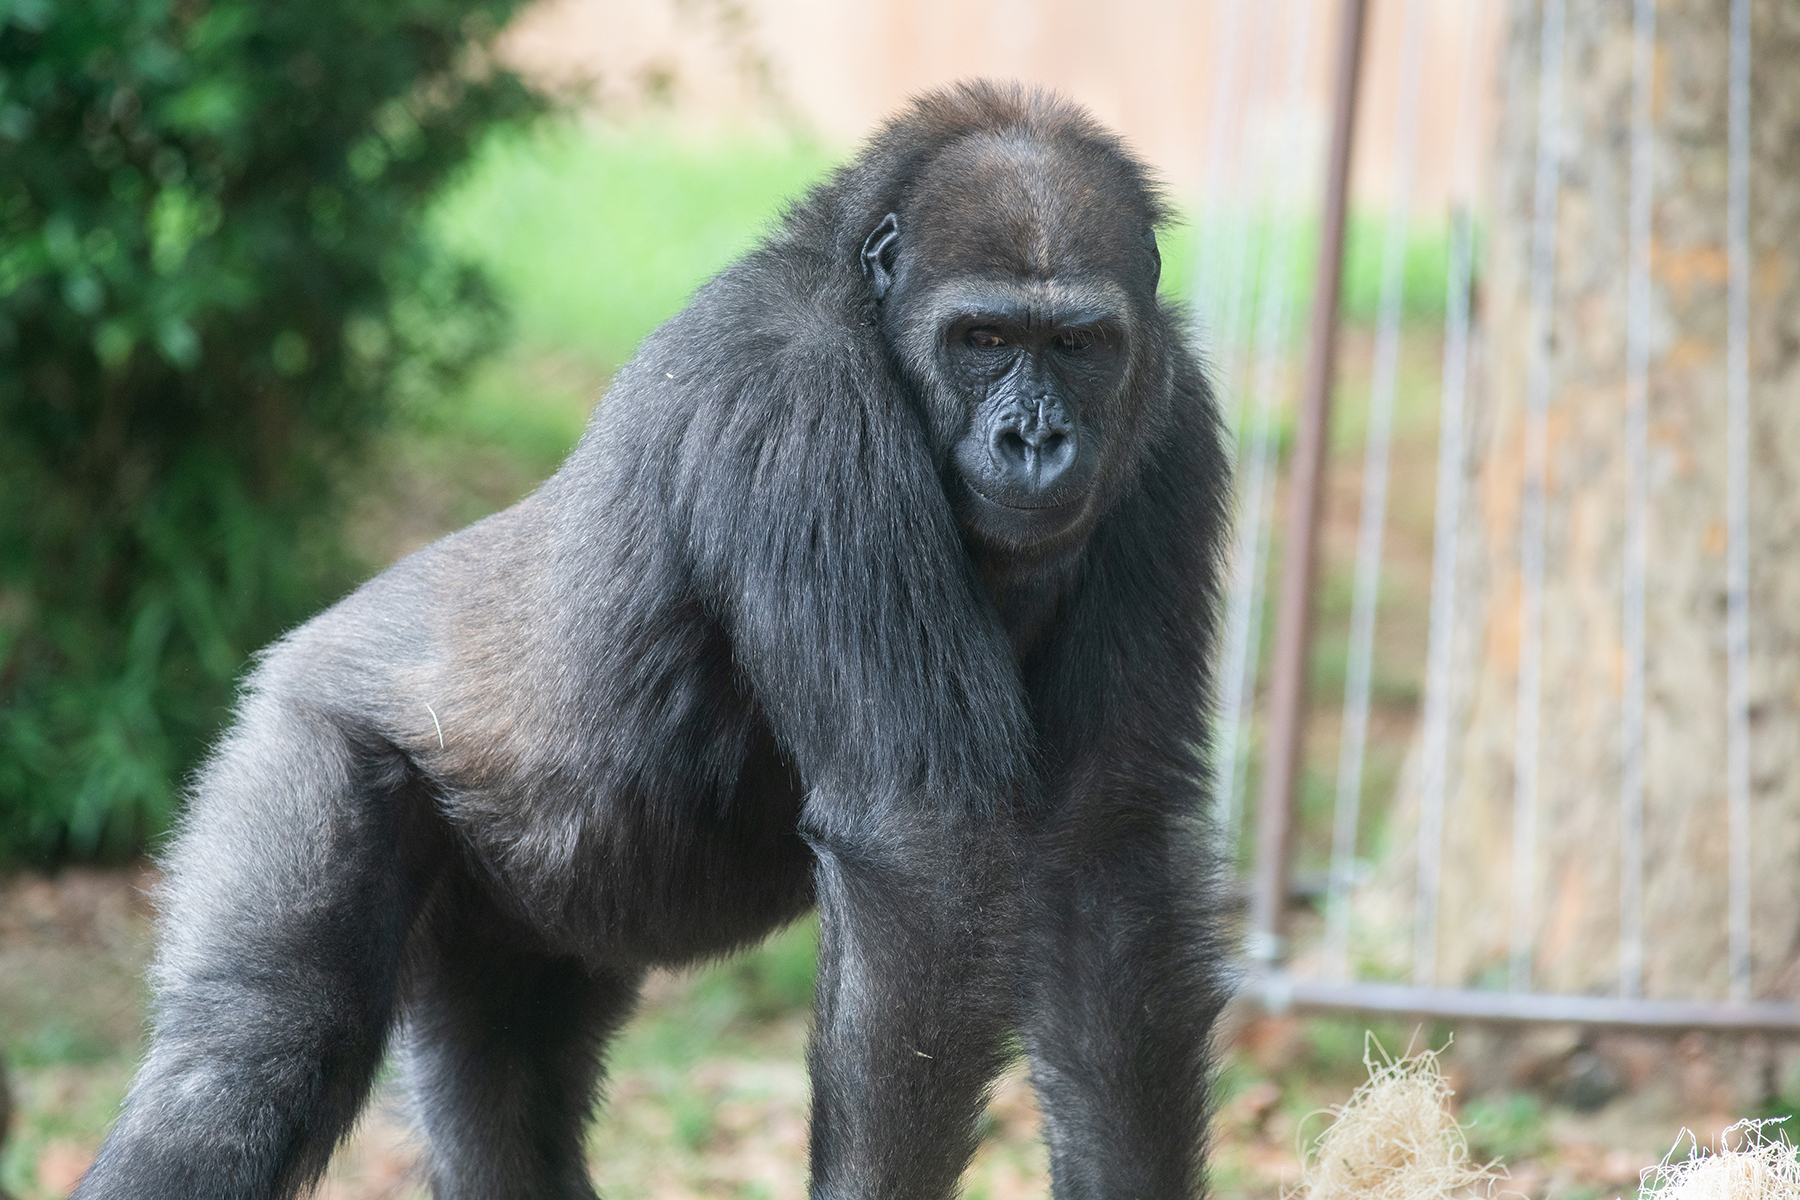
(1394, 1139)
(1748, 1165)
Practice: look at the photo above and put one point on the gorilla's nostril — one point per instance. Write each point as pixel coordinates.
(1012, 448)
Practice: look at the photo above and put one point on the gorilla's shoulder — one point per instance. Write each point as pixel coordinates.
(784, 308)
(780, 297)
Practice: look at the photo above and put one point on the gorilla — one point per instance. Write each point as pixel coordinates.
(882, 582)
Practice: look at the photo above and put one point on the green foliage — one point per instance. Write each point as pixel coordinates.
(215, 281)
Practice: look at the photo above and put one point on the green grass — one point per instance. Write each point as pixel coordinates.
(593, 236)
(728, 1003)
(598, 235)
(1510, 1126)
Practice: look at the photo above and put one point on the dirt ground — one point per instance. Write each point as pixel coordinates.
(710, 1100)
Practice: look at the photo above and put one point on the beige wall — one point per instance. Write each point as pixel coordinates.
(1145, 67)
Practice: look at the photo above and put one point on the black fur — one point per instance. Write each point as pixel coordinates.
(882, 581)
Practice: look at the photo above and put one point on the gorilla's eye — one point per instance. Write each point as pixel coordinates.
(1074, 341)
(985, 339)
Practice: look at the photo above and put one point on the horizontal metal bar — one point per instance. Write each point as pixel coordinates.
(1280, 992)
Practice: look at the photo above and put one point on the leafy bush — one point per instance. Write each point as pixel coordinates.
(214, 283)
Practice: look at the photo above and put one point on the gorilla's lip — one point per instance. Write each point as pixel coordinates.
(1053, 506)
(1017, 527)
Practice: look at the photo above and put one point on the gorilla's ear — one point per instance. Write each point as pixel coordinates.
(1155, 259)
(879, 252)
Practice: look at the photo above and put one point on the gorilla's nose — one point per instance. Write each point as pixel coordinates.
(1034, 445)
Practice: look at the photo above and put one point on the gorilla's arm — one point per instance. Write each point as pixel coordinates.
(1122, 950)
(823, 534)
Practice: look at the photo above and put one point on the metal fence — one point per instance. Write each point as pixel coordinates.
(1246, 303)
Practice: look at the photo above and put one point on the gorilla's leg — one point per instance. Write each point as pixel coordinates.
(915, 950)
(1119, 1008)
(284, 914)
(503, 1049)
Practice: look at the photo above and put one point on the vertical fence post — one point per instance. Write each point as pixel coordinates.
(1737, 499)
(1293, 629)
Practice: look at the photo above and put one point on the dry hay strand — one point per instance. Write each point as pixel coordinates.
(1394, 1139)
(1747, 1165)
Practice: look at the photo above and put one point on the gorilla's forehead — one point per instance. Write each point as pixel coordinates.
(1009, 203)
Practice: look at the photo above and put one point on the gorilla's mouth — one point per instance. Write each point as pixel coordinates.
(1027, 527)
(1026, 508)
(1049, 507)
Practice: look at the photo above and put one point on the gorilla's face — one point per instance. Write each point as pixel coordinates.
(1031, 380)
(1015, 289)
(1034, 368)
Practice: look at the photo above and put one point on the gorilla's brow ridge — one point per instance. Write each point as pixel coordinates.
(1067, 301)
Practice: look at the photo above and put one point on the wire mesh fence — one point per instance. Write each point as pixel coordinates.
(1247, 299)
